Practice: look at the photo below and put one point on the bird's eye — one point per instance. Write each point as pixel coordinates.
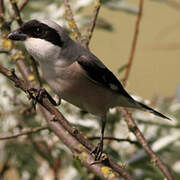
(38, 30)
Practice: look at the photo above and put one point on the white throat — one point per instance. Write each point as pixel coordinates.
(42, 50)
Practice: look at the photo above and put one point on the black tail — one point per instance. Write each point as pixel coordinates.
(153, 111)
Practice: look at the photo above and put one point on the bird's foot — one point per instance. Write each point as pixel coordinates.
(39, 94)
(97, 151)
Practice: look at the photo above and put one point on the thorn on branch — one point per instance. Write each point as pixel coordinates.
(2, 8)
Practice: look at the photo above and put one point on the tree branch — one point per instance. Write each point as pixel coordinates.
(115, 139)
(20, 22)
(24, 3)
(130, 122)
(16, 11)
(70, 19)
(134, 43)
(36, 71)
(80, 151)
(97, 5)
(60, 126)
(176, 126)
(141, 139)
(25, 132)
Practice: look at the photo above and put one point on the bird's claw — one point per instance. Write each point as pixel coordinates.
(97, 151)
(39, 94)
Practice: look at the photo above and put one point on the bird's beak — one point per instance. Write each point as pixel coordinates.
(17, 35)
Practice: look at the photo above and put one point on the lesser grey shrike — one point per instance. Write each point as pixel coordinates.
(74, 73)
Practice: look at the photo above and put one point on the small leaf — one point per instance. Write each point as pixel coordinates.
(122, 68)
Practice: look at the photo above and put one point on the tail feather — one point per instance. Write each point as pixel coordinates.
(128, 101)
(153, 111)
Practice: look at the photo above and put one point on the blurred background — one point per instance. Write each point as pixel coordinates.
(157, 60)
(154, 79)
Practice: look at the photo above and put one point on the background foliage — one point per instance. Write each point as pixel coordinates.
(41, 155)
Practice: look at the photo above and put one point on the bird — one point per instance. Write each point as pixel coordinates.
(74, 73)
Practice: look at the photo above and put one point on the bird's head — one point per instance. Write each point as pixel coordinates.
(42, 38)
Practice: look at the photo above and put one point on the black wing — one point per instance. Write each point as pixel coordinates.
(98, 73)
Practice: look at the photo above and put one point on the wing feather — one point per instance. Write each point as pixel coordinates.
(100, 74)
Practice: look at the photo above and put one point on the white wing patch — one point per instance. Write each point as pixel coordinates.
(113, 87)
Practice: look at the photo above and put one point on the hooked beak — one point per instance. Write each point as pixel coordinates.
(17, 35)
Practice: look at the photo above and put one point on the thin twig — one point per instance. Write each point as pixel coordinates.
(35, 70)
(130, 122)
(134, 43)
(163, 125)
(141, 139)
(1, 8)
(115, 139)
(24, 70)
(20, 22)
(16, 11)
(25, 132)
(97, 5)
(70, 19)
(24, 3)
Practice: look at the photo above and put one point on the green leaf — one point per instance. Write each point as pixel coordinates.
(122, 68)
